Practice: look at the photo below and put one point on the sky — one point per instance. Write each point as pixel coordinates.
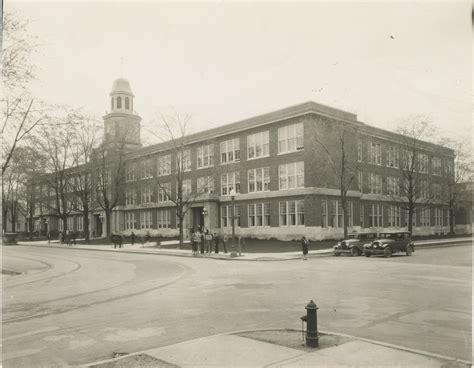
(226, 61)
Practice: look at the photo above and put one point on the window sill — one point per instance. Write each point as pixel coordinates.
(230, 162)
(286, 153)
(257, 158)
(204, 167)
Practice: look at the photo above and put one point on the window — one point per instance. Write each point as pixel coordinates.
(183, 161)
(324, 213)
(436, 165)
(205, 184)
(290, 138)
(375, 183)
(146, 195)
(259, 214)
(163, 219)
(70, 223)
(438, 217)
(185, 187)
(146, 171)
(205, 156)
(164, 192)
(423, 189)
(361, 215)
(375, 153)
(392, 156)
(130, 221)
(258, 145)
(413, 219)
(164, 165)
(119, 102)
(291, 176)
(131, 196)
(408, 160)
(449, 168)
(360, 181)
(146, 220)
(292, 213)
(127, 103)
(230, 181)
(226, 215)
(230, 151)
(359, 150)
(376, 215)
(437, 191)
(60, 225)
(336, 214)
(425, 217)
(422, 163)
(259, 179)
(80, 223)
(394, 216)
(393, 185)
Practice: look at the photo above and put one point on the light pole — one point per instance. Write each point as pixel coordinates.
(233, 253)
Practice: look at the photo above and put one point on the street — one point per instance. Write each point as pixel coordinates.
(74, 306)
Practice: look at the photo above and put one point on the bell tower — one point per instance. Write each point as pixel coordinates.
(122, 124)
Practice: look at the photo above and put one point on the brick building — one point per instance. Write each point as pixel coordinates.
(279, 166)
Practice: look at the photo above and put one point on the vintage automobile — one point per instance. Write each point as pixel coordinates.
(389, 243)
(354, 244)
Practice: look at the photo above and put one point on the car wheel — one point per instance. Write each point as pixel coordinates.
(337, 254)
(409, 250)
(367, 254)
(387, 252)
(355, 251)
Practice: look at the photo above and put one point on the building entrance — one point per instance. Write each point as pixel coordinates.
(198, 218)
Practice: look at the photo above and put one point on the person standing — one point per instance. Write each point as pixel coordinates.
(216, 242)
(203, 239)
(193, 243)
(49, 237)
(304, 246)
(132, 236)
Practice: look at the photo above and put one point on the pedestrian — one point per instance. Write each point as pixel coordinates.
(61, 238)
(207, 239)
(202, 241)
(216, 242)
(49, 237)
(132, 236)
(224, 243)
(193, 243)
(304, 246)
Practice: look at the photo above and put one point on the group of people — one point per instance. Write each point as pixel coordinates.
(203, 241)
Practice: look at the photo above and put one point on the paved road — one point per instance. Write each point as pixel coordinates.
(78, 306)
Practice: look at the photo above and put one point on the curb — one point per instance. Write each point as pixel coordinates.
(262, 259)
(388, 345)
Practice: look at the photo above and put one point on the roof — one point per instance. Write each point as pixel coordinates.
(121, 85)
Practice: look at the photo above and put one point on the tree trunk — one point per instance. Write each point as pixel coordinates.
(344, 213)
(451, 221)
(86, 223)
(108, 221)
(64, 220)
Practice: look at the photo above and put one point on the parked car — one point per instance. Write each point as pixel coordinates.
(389, 243)
(354, 244)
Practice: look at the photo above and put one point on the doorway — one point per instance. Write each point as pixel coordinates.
(198, 218)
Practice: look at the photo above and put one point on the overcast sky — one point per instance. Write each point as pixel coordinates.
(223, 61)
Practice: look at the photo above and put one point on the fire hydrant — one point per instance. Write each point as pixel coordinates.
(311, 319)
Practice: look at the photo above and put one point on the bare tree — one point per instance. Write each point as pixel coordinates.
(462, 171)
(86, 136)
(414, 166)
(172, 129)
(56, 139)
(21, 112)
(341, 159)
(107, 163)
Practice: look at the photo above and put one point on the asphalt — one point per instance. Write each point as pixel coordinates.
(151, 248)
(232, 350)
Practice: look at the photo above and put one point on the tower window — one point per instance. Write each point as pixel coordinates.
(112, 103)
(127, 103)
(119, 102)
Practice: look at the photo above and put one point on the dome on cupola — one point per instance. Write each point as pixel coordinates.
(121, 85)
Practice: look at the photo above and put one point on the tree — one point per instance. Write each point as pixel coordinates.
(107, 162)
(341, 159)
(21, 112)
(461, 172)
(172, 129)
(85, 140)
(414, 166)
(55, 140)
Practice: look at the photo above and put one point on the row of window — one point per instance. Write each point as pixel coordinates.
(421, 188)
(75, 223)
(145, 220)
(290, 139)
(291, 176)
(128, 103)
(419, 163)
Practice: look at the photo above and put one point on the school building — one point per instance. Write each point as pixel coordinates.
(278, 166)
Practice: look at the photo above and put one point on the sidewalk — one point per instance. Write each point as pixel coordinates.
(149, 248)
(228, 350)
